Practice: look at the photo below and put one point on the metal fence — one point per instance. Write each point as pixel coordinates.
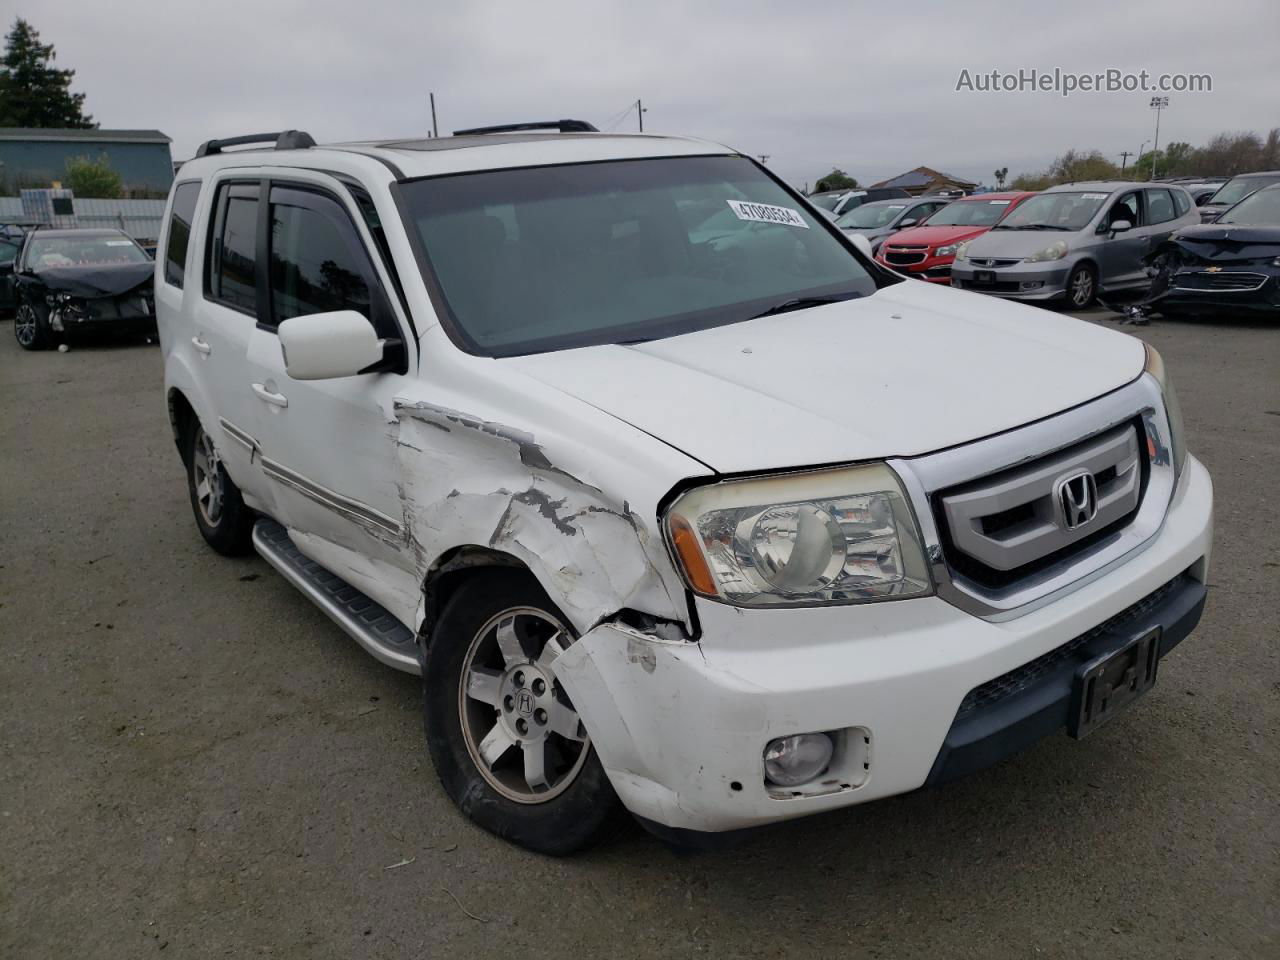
(140, 219)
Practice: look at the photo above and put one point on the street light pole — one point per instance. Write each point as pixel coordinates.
(640, 114)
(1157, 104)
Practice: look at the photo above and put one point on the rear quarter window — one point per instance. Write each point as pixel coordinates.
(179, 239)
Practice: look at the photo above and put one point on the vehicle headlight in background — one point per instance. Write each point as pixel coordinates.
(1177, 439)
(962, 250)
(948, 250)
(842, 535)
(1055, 251)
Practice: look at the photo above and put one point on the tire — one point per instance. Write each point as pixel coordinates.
(576, 807)
(31, 327)
(1082, 287)
(224, 521)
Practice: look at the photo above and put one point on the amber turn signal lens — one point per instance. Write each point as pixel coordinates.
(695, 566)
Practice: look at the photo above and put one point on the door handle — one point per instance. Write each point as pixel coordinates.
(278, 399)
(201, 345)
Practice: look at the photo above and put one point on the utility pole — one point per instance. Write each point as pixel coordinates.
(434, 131)
(1157, 104)
(764, 158)
(640, 114)
(1124, 159)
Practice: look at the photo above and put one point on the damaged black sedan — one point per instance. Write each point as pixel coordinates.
(1229, 266)
(69, 283)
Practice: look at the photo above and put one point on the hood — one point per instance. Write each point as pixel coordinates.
(1016, 243)
(1221, 243)
(909, 370)
(936, 236)
(91, 282)
(874, 233)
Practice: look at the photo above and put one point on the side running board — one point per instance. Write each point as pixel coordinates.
(368, 623)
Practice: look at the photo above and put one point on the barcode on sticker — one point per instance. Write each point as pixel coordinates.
(767, 213)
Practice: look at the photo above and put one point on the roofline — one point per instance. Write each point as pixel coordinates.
(83, 138)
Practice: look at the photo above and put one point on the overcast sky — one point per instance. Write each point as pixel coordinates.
(868, 87)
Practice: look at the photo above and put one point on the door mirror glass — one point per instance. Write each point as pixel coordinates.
(1120, 226)
(909, 222)
(862, 243)
(325, 346)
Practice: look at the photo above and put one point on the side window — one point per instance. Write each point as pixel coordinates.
(8, 251)
(231, 273)
(318, 263)
(1159, 206)
(1181, 201)
(175, 254)
(1128, 208)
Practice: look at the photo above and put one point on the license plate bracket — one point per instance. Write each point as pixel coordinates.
(984, 276)
(1107, 684)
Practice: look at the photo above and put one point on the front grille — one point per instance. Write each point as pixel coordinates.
(1002, 528)
(118, 308)
(905, 255)
(1229, 280)
(1020, 678)
(994, 262)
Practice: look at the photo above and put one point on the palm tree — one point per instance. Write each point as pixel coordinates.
(1000, 175)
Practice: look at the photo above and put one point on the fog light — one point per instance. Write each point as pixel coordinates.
(1032, 284)
(791, 761)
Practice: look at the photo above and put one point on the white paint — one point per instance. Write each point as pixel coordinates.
(325, 346)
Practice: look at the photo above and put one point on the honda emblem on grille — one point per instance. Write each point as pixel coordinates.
(1077, 499)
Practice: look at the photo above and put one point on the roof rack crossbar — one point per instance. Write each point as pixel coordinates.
(283, 139)
(564, 126)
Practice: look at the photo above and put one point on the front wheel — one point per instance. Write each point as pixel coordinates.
(506, 741)
(31, 327)
(1082, 287)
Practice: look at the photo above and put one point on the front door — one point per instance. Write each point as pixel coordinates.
(1120, 255)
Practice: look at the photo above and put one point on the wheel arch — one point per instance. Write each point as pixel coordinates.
(450, 570)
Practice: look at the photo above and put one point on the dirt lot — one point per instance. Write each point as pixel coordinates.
(195, 760)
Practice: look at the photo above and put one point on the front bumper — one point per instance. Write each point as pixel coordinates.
(931, 269)
(104, 316)
(1264, 299)
(1020, 281)
(681, 727)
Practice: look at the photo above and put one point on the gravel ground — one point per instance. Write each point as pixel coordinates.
(195, 760)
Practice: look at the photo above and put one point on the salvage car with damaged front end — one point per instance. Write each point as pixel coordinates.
(680, 504)
(71, 283)
(1230, 266)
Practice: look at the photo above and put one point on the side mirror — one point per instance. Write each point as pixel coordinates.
(863, 245)
(325, 346)
(909, 222)
(1120, 226)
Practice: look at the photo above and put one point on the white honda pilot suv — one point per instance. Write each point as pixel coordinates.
(679, 503)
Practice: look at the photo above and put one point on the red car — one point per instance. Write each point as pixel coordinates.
(926, 251)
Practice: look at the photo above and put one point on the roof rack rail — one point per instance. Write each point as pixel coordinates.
(283, 139)
(564, 126)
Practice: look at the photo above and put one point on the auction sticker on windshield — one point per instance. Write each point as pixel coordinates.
(767, 213)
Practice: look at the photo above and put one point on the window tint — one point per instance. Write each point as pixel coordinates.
(1159, 206)
(317, 261)
(234, 249)
(184, 208)
(1181, 201)
(1126, 208)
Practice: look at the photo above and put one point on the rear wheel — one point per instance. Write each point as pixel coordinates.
(31, 327)
(506, 741)
(224, 521)
(1082, 287)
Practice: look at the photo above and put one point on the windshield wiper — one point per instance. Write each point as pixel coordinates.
(804, 303)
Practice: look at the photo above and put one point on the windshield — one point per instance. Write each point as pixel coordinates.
(1262, 209)
(91, 250)
(547, 258)
(827, 201)
(871, 215)
(1064, 210)
(970, 213)
(1233, 191)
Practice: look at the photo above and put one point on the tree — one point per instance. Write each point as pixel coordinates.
(1000, 175)
(93, 178)
(32, 92)
(835, 180)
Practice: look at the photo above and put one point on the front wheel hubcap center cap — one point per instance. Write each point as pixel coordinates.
(526, 701)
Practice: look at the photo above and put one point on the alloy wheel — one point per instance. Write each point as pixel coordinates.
(206, 467)
(517, 721)
(24, 325)
(1082, 288)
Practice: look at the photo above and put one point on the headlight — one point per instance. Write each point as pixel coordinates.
(1055, 251)
(1177, 439)
(962, 250)
(828, 536)
(947, 250)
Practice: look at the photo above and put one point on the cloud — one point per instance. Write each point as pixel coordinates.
(866, 87)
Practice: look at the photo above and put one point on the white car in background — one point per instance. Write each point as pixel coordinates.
(719, 525)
